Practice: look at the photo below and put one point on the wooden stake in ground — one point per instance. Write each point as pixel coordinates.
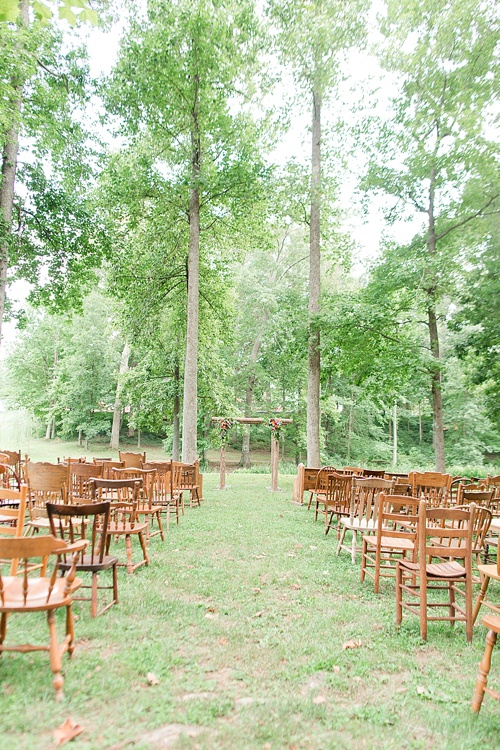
(225, 424)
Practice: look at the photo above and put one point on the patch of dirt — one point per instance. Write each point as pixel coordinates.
(165, 737)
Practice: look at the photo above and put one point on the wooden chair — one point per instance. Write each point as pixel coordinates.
(13, 516)
(72, 522)
(26, 594)
(8, 477)
(80, 475)
(108, 466)
(123, 495)
(146, 506)
(132, 460)
(394, 539)
(488, 572)
(466, 496)
(374, 473)
(14, 460)
(493, 625)
(337, 499)
(432, 486)
(47, 483)
(163, 486)
(184, 479)
(445, 534)
(319, 490)
(356, 470)
(363, 510)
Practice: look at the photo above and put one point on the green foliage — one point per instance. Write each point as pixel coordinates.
(71, 11)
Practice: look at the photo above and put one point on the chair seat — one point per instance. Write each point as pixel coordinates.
(88, 566)
(148, 509)
(391, 542)
(437, 570)
(490, 571)
(492, 623)
(358, 523)
(36, 599)
(126, 528)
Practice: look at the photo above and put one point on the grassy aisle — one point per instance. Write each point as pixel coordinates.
(242, 617)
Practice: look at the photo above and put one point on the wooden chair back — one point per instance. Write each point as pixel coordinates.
(431, 485)
(132, 460)
(148, 477)
(46, 483)
(466, 495)
(445, 533)
(123, 495)
(357, 470)
(364, 498)
(13, 515)
(80, 475)
(322, 479)
(89, 521)
(13, 460)
(163, 480)
(108, 466)
(397, 517)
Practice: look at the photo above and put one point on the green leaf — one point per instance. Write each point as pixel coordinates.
(67, 14)
(9, 10)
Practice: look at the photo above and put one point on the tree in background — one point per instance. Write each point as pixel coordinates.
(311, 37)
(179, 75)
(434, 155)
(42, 92)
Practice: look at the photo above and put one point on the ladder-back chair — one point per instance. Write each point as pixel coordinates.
(47, 483)
(362, 511)
(445, 535)
(89, 521)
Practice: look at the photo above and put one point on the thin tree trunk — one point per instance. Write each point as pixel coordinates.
(176, 419)
(190, 403)
(254, 354)
(8, 181)
(435, 371)
(395, 436)
(117, 409)
(314, 363)
(420, 428)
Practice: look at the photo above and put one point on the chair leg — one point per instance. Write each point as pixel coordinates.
(340, 535)
(423, 608)
(128, 550)
(451, 598)
(469, 622)
(399, 594)
(115, 583)
(353, 545)
(70, 630)
(484, 668)
(3, 630)
(143, 545)
(55, 657)
(93, 595)
(480, 598)
(363, 560)
(160, 525)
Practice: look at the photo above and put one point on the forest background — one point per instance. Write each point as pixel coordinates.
(185, 256)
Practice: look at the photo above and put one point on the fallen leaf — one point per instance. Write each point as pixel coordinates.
(66, 732)
(291, 554)
(336, 669)
(298, 546)
(257, 591)
(319, 699)
(222, 641)
(259, 557)
(312, 546)
(259, 613)
(152, 678)
(352, 644)
(421, 690)
(189, 567)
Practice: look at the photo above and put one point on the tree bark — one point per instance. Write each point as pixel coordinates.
(8, 181)
(176, 420)
(190, 402)
(117, 409)
(435, 371)
(314, 363)
(395, 436)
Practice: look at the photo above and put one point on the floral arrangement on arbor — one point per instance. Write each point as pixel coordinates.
(224, 427)
(275, 425)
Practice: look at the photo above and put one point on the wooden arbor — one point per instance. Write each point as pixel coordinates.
(225, 425)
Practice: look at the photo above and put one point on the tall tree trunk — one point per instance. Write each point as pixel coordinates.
(7, 185)
(117, 409)
(190, 402)
(254, 354)
(314, 364)
(176, 419)
(435, 371)
(395, 435)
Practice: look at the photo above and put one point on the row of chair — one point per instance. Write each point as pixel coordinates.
(428, 540)
(82, 511)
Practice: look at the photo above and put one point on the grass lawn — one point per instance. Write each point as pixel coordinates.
(242, 616)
